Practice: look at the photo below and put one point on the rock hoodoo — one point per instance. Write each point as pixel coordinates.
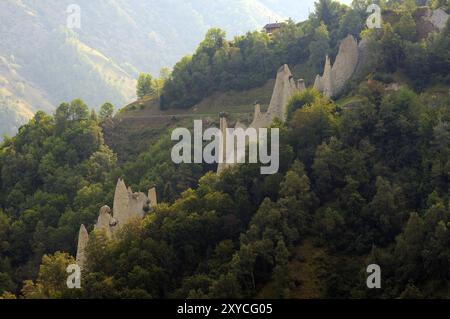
(105, 221)
(439, 19)
(127, 206)
(429, 20)
(336, 76)
(285, 87)
(323, 83)
(223, 142)
(351, 57)
(83, 239)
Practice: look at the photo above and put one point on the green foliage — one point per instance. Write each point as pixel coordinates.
(302, 99)
(445, 4)
(397, 48)
(366, 183)
(155, 167)
(145, 86)
(406, 27)
(311, 126)
(319, 47)
(390, 45)
(54, 174)
(352, 22)
(329, 12)
(51, 282)
(106, 111)
(247, 61)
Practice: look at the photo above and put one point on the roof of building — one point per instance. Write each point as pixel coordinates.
(273, 25)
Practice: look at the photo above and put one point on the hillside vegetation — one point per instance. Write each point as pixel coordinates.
(363, 180)
(42, 62)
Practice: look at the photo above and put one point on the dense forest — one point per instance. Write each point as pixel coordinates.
(46, 59)
(250, 60)
(363, 184)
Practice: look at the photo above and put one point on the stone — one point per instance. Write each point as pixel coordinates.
(258, 118)
(120, 205)
(439, 19)
(345, 64)
(429, 20)
(104, 221)
(393, 87)
(83, 239)
(285, 87)
(335, 77)
(301, 86)
(326, 78)
(222, 165)
(136, 204)
(152, 197)
(318, 83)
(127, 206)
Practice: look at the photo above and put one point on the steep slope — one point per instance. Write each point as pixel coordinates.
(17, 97)
(42, 62)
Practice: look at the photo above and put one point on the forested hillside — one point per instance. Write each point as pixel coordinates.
(363, 179)
(43, 62)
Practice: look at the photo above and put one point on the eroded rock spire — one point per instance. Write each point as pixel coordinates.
(83, 239)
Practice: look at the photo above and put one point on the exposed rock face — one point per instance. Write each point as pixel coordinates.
(393, 87)
(223, 150)
(285, 87)
(323, 83)
(301, 86)
(152, 197)
(439, 19)
(363, 61)
(136, 204)
(345, 64)
(127, 206)
(120, 205)
(259, 119)
(83, 239)
(104, 221)
(335, 77)
(430, 20)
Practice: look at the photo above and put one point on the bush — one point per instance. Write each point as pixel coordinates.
(385, 78)
(301, 99)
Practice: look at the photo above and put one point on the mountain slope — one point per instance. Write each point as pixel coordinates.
(43, 63)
